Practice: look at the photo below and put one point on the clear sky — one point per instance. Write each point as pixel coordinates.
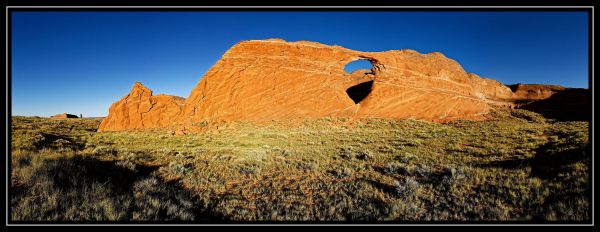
(82, 62)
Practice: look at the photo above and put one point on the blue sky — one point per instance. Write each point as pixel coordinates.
(82, 62)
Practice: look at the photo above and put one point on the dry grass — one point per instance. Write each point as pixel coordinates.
(518, 167)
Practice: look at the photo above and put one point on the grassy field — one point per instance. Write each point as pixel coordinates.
(518, 166)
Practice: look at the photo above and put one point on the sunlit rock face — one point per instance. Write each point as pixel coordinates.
(262, 80)
(274, 79)
(140, 110)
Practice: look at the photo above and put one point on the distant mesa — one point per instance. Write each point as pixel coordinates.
(263, 80)
(65, 115)
(535, 91)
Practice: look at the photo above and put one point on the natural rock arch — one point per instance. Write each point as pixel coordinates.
(293, 80)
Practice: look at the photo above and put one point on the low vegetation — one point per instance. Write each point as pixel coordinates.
(517, 166)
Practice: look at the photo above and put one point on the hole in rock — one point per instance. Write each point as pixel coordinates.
(363, 66)
(359, 92)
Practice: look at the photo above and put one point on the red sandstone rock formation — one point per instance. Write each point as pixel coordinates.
(273, 79)
(263, 80)
(64, 115)
(140, 110)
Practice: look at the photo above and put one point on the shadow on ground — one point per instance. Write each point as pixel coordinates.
(567, 105)
(56, 141)
(552, 165)
(87, 189)
(546, 164)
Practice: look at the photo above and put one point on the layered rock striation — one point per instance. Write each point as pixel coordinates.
(262, 80)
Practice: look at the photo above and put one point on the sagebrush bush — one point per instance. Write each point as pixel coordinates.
(178, 168)
(450, 178)
(407, 188)
(127, 164)
(105, 150)
(393, 168)
(364, 155)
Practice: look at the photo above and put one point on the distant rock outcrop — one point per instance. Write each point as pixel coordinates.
(262, 80)
(529, 92)
(64, 115)
(569, 104)
(140, 110)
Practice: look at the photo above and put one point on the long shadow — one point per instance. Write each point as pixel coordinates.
(551, 163)
(566, 105)
(77, 174)
(386, 188)
(546, 164)
(433, 177)
(52, 141)
(89, 170)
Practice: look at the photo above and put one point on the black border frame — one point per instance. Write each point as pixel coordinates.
(162, 8)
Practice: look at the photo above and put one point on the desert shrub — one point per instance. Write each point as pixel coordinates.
(199, 150)
(307, 166)
(405, 210)
(137, 156)
(364, 155)
(286, 152)
(349, 153)
(394, 168)
(342, 172)
(249, 168)
(450, 178)
(280, 151)
(127, 164)
(406, 157)
(387, 149)
(105, 150)
(346, 152)
(407, 188)
(421, 170)
(178, 168)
